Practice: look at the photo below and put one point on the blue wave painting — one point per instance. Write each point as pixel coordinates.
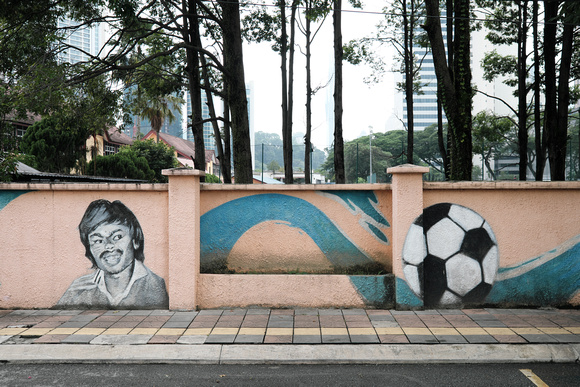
(363, 203)
(7, 196)
(550, 279)
(223, 226)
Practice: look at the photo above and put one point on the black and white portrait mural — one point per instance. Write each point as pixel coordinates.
(450, 256)
(114, 243)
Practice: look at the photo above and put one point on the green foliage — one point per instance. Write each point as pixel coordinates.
(209, 178)
(8, 147)
(127, 164)
(158, 155)
(273, 151)
(57, 142)
(381, 161)
(273, 166)
(142, 160)
(389, 149)
(495, 65)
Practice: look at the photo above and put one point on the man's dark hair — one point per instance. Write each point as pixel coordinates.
(103, 211)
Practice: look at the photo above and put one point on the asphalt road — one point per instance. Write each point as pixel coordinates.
(553, 375)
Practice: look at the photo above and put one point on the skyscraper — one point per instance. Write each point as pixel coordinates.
(85, 39)
(425, 104)
(208, 135)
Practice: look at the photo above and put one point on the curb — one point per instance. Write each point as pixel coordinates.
(290, 354)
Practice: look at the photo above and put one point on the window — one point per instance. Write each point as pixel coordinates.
(110, 149)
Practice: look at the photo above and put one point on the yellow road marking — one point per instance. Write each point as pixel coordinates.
(533, 378)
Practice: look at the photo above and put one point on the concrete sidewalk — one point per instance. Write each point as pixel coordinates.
(290, 336)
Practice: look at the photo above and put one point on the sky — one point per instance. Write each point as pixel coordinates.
(366, 107)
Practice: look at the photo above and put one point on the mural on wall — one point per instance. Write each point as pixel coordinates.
(552, 278)
(365, 205)
(223, 226)
(114, 244)
(450, 256)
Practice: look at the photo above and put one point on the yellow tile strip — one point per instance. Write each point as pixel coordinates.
(500, 331)
(472, 331)
(417, 331)
(35, 332)
(389, 331)
(170, 331)
(197, 332)
(334, 331)
(527, 331)
(554, 331)
(89, 331)
(444, 331)
(361, 331)
(63, 331)
(574, 330)
(144, 331)
(252, 331)
(117, 331)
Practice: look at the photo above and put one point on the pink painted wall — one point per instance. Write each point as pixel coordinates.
(41, 252)
(277, 246)
(528, 219)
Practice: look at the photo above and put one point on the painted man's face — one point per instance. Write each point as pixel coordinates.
(112, 247)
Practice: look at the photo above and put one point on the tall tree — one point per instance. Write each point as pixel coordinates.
(314, 10)
(399, 29)
(540, 140)
(557, 87)
(236, 90)
(340, 175)
(456, 89)
(287, 50)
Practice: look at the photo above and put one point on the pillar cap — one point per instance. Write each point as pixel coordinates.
(182, 172)
(408, 168)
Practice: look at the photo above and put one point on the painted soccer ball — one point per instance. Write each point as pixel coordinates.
(450, 256)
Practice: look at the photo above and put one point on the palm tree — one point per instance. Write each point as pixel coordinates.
(158, 108)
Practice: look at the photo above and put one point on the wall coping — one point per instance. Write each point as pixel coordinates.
(161, 187)
(407, 168)
(83, 186)
(295, 187)
(502, 185)
(182, 172)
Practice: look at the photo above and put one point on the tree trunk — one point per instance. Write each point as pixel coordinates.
(307, 144)
(286, 133)
(284, 71)
(340, 177)
(191, 37)
(290, 110)
(561, 137)
(227, 161)
(440, 139)
(522, 91)
(456, 92)
(236, 90)
(550, 114)
(408, 28)
(225, 172)
(540, 146)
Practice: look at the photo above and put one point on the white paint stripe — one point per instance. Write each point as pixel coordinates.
(533, 263)
(533, 378)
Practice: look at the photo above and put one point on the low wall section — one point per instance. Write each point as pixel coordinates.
(437, 244)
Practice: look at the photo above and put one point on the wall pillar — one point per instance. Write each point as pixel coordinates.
(184, 242)
(407, 191)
